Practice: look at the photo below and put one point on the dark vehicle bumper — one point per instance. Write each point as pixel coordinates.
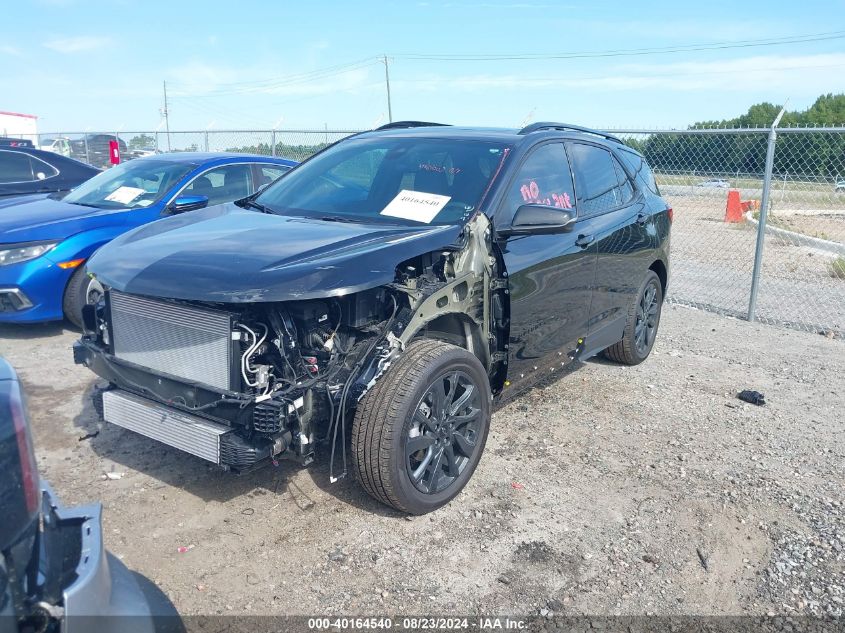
(104, 596)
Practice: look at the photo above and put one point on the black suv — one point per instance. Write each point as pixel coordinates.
(94, 149)
(394, 283)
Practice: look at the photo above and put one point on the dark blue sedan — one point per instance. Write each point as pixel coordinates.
(44, 242)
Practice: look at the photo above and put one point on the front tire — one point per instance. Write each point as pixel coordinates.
(74, 297)
(419, 432)
(641, 326)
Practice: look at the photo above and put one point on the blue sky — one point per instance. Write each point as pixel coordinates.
(86, 65)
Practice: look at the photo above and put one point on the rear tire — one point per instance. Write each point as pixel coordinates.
(641, 325)
(419, 432)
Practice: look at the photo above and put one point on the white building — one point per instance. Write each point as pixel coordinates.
(18, 125)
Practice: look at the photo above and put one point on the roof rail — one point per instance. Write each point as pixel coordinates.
(406, 124)
(534, 127)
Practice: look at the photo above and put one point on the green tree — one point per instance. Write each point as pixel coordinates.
(814, 155)
(144, 141)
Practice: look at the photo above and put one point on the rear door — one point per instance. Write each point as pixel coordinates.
(609, 202)
(550, 276)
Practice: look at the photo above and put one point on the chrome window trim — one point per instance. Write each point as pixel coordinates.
(31, 157)
(203, 173)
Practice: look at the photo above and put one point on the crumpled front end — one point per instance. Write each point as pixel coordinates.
(239, 384)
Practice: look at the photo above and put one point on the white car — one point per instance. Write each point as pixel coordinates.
(715, 183)
(59, 145)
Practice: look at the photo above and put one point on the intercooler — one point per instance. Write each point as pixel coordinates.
(172, 338)
(181, 430)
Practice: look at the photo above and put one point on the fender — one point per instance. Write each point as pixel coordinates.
(467, 294)
(82, 245)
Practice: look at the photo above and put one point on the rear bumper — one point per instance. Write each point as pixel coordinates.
(104, 596)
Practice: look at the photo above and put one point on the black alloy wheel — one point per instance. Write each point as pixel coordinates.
(641, 324)
(648, 312)
(443, 434)
(419, 433)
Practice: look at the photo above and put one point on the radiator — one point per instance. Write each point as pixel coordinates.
(172, 338)
(186, 432)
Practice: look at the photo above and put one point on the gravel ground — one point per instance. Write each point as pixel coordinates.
(612, 490)
(712, 263)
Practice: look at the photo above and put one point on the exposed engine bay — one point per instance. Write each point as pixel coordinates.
(240, 384)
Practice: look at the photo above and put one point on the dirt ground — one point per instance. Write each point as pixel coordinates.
(612, 490)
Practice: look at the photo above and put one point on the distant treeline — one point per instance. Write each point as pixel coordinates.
(295, 152)
(808, 154)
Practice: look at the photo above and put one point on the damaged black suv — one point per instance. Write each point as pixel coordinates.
(389, 287)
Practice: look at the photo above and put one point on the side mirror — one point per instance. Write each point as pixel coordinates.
(536, 219)
(188, 203)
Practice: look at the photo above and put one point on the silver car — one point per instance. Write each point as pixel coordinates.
(55, 573)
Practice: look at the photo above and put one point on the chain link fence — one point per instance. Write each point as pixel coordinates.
(713, 179)
(93, 147)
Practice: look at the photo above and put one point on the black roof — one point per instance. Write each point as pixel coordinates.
(503, 135)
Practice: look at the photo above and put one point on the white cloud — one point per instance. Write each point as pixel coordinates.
(777, 74)
(198, 79)
(77, 44)
(6, 49)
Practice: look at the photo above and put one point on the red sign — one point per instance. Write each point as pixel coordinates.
(114, 153)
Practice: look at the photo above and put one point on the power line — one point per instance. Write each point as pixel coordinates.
(795, 39)
(290, 80)
(645, 75)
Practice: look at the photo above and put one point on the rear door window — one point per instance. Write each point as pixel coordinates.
(544, 178)
(15, 167)
(223, 184)
(600, 182)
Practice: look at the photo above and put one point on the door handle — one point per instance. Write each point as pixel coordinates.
(584, 240)
(642, 219)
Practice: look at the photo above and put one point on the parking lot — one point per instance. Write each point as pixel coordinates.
(611, 490)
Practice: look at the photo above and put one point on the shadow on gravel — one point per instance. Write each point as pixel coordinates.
(209, 482)
(26, 331)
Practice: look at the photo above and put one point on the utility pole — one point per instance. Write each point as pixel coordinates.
(387, 83)
(166, 114)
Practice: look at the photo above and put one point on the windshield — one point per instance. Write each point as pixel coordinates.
(389, 180)
(131, 185)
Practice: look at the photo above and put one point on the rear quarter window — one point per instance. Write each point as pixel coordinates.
(642, 172)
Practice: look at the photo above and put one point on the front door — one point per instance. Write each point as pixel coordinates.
(550, 276)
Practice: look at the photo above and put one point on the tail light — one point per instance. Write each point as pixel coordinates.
(29, 471)
(671, 213)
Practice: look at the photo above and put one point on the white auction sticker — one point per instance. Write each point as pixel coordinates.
(125, 195)
(416, 205)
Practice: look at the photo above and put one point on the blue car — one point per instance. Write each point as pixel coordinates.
(45, 242)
